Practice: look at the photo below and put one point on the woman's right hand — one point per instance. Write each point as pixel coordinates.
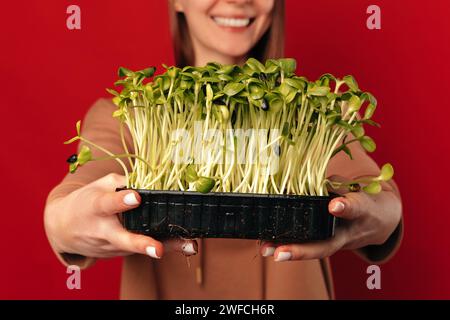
(86, 222)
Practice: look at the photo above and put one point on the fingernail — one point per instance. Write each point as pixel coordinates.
(268, 251)
(283, 256)
(130, 199)
(151, 251)
(188, 249)
(338, 207)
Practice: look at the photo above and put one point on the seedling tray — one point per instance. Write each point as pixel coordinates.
(286, 218)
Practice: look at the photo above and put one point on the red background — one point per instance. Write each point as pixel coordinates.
(51, 75)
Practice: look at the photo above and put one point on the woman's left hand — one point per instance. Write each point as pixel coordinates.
(365, 220)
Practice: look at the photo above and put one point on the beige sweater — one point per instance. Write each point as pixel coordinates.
(230, 269)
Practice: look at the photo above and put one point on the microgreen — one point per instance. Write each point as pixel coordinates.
(306, 122)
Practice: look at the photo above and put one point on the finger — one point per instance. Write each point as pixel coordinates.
(110, 182)
(267, 249)
(113, 254)
(349, 207)
(135, 243)
(312, 250)
(109, 203)
(187, 247)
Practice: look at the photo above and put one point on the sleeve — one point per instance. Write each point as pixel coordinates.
(101, 128)
(363, 165)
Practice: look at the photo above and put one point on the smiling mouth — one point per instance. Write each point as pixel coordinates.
(233, 22)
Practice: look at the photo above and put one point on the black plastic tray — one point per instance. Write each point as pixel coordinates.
(286, 218)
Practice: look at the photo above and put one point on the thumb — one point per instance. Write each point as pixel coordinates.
(109, 203)
(348, 207)
(110, 182)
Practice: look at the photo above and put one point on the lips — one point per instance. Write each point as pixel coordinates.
(229, 22)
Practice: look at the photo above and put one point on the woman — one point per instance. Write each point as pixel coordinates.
(81, 213)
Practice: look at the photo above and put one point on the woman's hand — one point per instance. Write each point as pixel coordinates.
(86, 222)
(366, 220)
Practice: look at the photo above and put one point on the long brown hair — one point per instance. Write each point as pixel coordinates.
(270, 46)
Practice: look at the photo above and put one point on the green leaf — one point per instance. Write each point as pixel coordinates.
(354, 104)
(328, 76)
(225, 77)
(184, 84)
(248, 71)
(297, 84)
(347, 152)
(237, 99)
(85, 155)
(358, 131)
(368, 144)
(351, 83)
(124, 72)
(345, 125)
(113, 92)
(160, 100)
(255, 65)
(344, 148)
(139, 77)
(118, 113)
(191, 174)
(369, 111)
(318, 91)
(217, 96)
(117, 101)
(288, 65)
(173, 72)
(256, 103)
(221, 112)
(368, 96)
(346, 96)
(148, 72)
(373, 188)
(165, 83)
(387, 172)
(213, 66)
(226, 69)
(291, 96)
(331, 96)
(204, 184)
(286, 89)
(275, 102)
(121, 83)
(256, 91)
(73, 167)
(371, 123)
(233, 88)
(333, 118)
(271, 69)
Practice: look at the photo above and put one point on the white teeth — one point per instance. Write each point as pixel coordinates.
(232, 22)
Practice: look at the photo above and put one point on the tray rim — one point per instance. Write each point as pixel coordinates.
(230, 194)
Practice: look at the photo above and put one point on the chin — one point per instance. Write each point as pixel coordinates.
(233, 51)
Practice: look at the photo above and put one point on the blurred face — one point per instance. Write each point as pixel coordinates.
(225, 30)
